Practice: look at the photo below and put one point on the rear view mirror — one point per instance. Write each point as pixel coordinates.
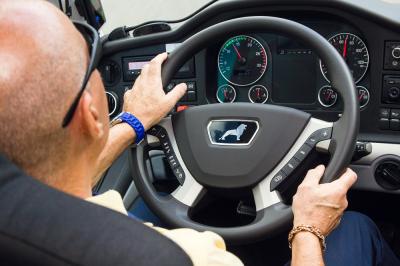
(92, 11)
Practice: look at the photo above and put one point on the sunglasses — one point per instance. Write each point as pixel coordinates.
(92, 39)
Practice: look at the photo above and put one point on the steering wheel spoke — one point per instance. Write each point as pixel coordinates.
(189, 190)
(315, 132)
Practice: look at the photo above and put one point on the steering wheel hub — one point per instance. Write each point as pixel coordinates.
(235, 145)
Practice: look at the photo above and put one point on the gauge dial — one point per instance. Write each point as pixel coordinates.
(354, 52)
(258, 94)
(363, 96)
(327, 96)
(226, 94)
(242, 60)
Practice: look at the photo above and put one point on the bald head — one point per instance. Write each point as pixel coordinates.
(43, 60)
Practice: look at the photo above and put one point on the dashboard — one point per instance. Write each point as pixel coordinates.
(267, 68)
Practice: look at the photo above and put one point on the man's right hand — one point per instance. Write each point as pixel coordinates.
(147, 100)
(321, 205)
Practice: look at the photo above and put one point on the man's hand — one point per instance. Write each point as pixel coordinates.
(147, 100)
(321, 205)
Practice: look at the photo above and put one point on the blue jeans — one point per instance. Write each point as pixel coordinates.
(358, 242)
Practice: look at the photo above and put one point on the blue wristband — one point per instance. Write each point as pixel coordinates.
(137, 126)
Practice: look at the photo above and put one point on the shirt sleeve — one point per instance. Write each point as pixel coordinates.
(204, 248)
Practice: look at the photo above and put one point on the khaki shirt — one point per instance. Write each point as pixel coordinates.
(203, 248)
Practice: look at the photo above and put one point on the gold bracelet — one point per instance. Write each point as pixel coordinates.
(307, 228)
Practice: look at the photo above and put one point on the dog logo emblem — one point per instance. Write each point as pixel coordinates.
(238, 132)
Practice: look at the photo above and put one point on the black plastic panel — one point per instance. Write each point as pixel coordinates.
(235, 166)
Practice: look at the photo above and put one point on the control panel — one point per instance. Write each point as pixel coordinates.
(391, 89)
(162, 135)
(392, 55)
(301, 154)
(389, 119)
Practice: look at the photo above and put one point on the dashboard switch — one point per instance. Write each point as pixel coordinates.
(302, 153)
(191, 86)
(362, 150)
(179, 174)
(181, 108)
(319, 135)
(384, 123)
(277, 180)
(391, 89)
(396, 52)
(191, 96)
(170, 86)
(394, 124)
(395, 114)
(384, 113)
(392, 55)
(290, 166)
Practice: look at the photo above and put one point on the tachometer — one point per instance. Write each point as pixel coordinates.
(354, 52)
(242, 60)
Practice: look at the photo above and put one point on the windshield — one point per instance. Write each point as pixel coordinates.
(134, 12)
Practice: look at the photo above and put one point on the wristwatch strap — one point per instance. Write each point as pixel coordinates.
(131, 120)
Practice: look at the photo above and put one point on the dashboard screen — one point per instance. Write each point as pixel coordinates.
(136, 65)
(294, 69)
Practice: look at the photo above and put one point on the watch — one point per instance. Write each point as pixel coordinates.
(131, 120)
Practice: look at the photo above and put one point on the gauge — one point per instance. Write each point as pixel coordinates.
(242, 60)
(354, 52)
(327, 96)
(258, 94)
(112, 101)
(363, 96)
(226, 94)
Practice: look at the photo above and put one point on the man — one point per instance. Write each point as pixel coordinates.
(40, 76)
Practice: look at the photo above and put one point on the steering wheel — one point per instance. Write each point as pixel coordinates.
(244, 145)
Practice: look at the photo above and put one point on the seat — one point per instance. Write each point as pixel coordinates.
(42, 226)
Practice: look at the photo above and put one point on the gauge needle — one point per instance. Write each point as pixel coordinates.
(345, 47)
(361, 96)
(237, 52)
(329, 95)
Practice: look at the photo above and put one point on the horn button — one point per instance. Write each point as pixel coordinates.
(235, 145)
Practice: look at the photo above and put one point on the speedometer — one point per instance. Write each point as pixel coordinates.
(242, 60)
(354, 52)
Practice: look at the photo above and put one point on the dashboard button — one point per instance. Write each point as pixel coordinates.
(191, 86)
(395, 114)
(277, 180)
(384, 123)
(394, 124)
(396, 52)
(179, 174)
(173, 162)
(154, 131)
(181, 108)
(167, 148)
(384, 113)
(191, 96)
(319, 135)
(170, 86)
(302, 153)
(290, 166)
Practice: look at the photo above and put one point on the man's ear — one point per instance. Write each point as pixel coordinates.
(90, 118)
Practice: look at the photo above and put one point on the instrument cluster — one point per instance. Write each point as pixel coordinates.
(266, 68)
